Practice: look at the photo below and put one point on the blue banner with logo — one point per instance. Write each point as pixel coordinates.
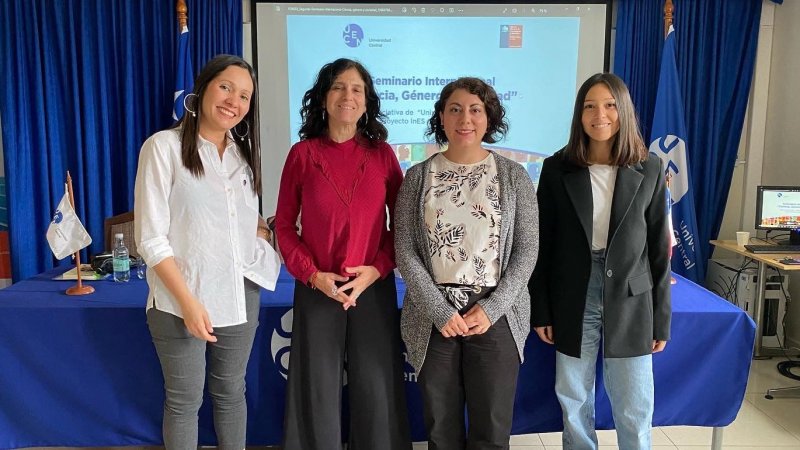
(668, 141)
(184, 82)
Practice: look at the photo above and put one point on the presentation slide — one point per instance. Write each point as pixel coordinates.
(535, 56)
(780, 209)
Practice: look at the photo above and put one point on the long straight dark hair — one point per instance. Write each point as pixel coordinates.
(628, 147)
(189, 127)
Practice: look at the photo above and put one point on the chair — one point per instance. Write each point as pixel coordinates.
(786, 392)
(121, 223)
(785, 369)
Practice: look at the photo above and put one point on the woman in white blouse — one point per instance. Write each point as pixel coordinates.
(198, 229)
(466, 244)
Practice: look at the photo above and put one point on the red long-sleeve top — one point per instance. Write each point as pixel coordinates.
(343, 190)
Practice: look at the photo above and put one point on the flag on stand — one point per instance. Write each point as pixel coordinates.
(668, 141)
(66, 234)
(184, 82)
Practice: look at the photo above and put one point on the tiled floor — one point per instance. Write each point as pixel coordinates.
(761, 424)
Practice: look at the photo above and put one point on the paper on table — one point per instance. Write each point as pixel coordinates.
(86, 274)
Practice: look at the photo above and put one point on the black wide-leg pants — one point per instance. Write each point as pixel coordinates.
(479, 372)
(364, 341)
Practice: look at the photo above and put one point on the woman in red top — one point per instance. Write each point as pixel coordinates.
(342, 175)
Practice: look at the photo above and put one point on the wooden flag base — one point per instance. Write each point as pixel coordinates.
(80, 289)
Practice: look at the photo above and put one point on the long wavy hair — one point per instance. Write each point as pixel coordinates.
(189, 125)
(628, 147)
(369, 128)
(496, 126)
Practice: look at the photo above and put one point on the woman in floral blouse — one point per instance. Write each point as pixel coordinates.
(466, 245)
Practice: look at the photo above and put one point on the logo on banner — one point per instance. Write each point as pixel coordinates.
(353, 35)
(281, 343)
(672, 151)
(409, 374)
(281, 346)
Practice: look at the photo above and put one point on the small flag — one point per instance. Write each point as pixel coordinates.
(66, 234)
(184, 82)
(668, 142)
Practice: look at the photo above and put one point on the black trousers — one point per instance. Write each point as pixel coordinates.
(477, 371)
(364, 341)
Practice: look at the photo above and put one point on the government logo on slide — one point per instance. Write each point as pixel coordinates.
(353, 35)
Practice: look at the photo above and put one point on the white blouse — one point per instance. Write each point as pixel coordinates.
(207, 223)
(462, 216)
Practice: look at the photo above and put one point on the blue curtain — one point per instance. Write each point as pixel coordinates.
(637, 53)
(85, 82)
(716, 47)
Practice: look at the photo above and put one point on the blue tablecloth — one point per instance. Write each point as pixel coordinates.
(82, 371)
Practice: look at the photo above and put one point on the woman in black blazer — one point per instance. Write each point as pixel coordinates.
(603, 271)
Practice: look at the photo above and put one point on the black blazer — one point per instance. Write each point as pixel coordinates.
(636, 295)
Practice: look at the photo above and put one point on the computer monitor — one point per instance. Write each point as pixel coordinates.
(778, 208)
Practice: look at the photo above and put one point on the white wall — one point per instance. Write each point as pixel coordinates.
(247, 32)
(767, 153)
(781, 157)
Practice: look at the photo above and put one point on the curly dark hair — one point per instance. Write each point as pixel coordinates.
(628, 147)
(497, 126)
(314, 123)
(189, 125)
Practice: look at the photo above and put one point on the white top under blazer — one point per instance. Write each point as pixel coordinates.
(604, 178)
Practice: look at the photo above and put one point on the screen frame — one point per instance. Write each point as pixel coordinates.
(759, 205)
(608, 4)
(268, 198)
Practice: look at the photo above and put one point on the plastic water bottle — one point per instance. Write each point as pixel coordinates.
(141, 269)
(121, 259)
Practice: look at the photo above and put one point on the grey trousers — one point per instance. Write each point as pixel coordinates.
(183, 363)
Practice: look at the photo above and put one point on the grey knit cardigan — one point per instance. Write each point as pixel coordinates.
(424, 305)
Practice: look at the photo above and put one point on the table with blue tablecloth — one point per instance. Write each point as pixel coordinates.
(82, 371)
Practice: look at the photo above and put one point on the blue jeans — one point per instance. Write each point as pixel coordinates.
(628, 381)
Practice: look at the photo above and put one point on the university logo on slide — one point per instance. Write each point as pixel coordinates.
(672, 151)
(353, 35)
(281, 343)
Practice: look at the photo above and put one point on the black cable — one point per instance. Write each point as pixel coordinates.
(785, 369)
(732, 290)
(765, 239)
(775, 240)
(788, 300)
(781, 344)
